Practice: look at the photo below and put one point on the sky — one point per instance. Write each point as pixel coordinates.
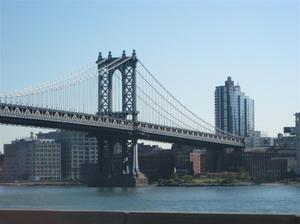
(191, 47)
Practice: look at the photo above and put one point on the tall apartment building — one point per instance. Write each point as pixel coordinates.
(32, 159)
(77, 148)
(234, 111)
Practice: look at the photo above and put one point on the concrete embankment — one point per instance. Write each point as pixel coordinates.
(96, 217)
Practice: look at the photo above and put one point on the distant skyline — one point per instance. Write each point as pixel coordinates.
(191, 47)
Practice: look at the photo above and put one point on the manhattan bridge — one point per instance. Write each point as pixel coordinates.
(119, 101)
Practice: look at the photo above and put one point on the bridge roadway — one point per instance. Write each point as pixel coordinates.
(103, 125)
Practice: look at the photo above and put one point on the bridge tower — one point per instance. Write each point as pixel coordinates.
(118, 154)
(127, 67)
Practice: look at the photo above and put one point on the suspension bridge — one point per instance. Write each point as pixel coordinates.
(119, 101)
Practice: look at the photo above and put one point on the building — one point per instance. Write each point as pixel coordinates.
(285, 142)
(46, 160)
(197, 159)
(257, 140)
(77, 148)
(266, 142)
(32, 159)
(264, 165)
(233, 160)
(189, 160)
(234, 112)
(297, 128)
(295, 132)
(182, 161)
(1, 166)
(155, 162)
(290, 156)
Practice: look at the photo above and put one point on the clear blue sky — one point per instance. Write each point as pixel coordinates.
(191, 46)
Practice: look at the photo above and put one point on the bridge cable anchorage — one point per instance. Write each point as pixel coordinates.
(173, 97)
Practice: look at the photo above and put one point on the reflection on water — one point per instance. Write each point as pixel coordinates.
(264, 199)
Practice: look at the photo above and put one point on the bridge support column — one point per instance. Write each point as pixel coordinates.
(135, 165)
(139, 178)
(117, 164)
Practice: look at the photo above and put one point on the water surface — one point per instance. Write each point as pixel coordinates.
(260, 199)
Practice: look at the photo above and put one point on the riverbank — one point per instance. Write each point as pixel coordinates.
(229, 180)
(237, 184)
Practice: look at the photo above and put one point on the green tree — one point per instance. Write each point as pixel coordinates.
(187, 179)
(243, 174)
(229, 179)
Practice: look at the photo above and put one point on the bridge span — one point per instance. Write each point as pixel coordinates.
(119, 104)
(102, 125)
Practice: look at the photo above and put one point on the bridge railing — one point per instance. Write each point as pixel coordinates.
(46, 114)
(63, 116)
(93, 217)
(147, 127)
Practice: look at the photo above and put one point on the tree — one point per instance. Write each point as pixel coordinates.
(229, 179)
(187, 179)
(243, 174)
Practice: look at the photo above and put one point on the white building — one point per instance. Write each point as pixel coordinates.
(47, 160)
(77, 148)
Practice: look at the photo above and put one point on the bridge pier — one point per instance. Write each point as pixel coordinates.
(117, 163)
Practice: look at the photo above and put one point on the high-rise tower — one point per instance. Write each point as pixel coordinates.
(234, 112)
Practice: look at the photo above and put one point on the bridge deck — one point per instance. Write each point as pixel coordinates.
(52, 118)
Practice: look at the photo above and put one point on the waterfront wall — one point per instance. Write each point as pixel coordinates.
(96, 217)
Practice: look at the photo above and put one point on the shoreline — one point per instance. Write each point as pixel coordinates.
(208, 185)
(238, 184)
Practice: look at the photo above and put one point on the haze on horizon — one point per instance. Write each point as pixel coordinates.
(191, 47)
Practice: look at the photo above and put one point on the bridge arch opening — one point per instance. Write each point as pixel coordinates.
(117, 91)
(117, 149)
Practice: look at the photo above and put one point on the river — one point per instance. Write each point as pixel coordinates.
(247, 199)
